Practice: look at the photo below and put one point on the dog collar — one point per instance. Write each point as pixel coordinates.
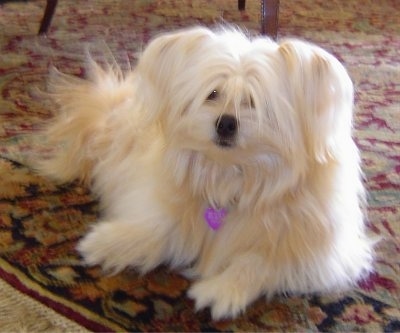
(215, 217)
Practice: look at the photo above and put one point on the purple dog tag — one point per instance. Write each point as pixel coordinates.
(215, 217)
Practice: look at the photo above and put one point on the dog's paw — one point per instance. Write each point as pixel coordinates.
(102, 246)
(93, 250)
(115, 245)
(225, 299)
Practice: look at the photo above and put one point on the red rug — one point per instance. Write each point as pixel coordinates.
(40, 222)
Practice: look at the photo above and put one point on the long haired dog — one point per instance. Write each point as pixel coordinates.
(226, 156)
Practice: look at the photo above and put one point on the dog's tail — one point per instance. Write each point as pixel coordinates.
(81, 132)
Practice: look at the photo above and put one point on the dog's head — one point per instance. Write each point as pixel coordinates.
(242, 101)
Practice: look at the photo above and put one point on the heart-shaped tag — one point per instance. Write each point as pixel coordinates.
(215, 217)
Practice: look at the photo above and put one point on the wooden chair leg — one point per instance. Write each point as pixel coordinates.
(48, 15)
(269, 17)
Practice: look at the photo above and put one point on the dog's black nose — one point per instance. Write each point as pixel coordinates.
(226, 126)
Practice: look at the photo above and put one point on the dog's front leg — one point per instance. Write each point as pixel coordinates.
(118, 244)
(229, 292)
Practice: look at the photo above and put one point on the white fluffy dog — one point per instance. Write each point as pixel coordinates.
(228, 156)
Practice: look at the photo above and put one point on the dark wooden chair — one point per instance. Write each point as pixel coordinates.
(269, 16)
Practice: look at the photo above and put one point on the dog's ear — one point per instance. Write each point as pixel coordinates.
(165, 61)
(322, 94)
(168, 52)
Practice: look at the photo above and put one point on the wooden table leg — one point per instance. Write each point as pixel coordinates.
(48, 15)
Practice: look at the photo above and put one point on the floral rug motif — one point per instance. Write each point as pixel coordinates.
(41, 222)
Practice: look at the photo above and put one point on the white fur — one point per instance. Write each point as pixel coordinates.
(291, 181)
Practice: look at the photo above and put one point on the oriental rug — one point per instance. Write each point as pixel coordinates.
(44, 286)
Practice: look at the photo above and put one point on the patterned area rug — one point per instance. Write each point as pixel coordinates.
(40, 223)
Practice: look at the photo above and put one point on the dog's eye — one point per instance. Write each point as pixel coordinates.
(213, 96)
(252, 102)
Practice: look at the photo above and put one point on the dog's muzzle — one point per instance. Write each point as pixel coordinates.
(226, 128)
